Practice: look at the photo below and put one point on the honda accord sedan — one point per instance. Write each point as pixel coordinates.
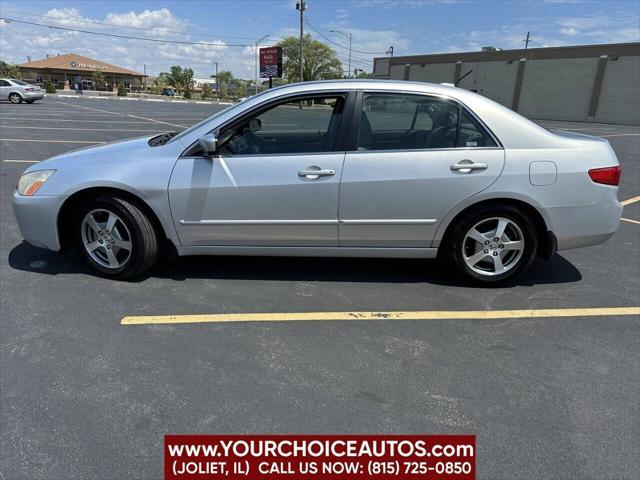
(339, 168)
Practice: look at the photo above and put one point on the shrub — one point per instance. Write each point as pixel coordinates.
(49, 88)
(122, 92)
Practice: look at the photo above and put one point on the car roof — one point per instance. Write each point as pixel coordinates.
(355, 84)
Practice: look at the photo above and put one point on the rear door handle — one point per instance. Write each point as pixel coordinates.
(313, 173)
(468, 166)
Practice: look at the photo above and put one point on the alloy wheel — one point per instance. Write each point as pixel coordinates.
(493, 246)
(106, 238)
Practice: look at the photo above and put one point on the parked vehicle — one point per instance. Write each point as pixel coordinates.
(338, 168)
(168, 92)
(18, 91)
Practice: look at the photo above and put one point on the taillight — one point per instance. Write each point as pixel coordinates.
(29, 89)
(606, 175)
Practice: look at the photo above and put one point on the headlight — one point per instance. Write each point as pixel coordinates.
(29, 183)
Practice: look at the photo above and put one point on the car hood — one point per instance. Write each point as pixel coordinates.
(115, 152)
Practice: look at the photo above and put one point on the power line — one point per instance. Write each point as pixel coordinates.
(315, 29)
(154, 29)
(129, 37)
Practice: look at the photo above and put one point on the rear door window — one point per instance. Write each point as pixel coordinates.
(391, 121)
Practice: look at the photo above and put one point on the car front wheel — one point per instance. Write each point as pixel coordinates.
(15, 98)
(116, 237)
(493, 244)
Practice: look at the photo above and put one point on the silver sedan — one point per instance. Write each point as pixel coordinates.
(18, 91)
(341, 168)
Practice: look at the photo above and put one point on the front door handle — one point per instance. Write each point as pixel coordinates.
(314, 172)
(467, 166)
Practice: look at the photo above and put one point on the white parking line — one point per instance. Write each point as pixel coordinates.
(124, 115)
(621, 135)
(630, 221)
(46, 141)
(55, 113)
(22, 161)
(76, 121)
(85, 129)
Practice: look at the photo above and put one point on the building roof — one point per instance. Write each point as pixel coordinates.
(544, 53)
(73, 61)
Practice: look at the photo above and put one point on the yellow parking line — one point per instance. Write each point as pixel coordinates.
(630, 221)
(629, 201)
(419, 315)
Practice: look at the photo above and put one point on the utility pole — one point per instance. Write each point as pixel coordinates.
(346, 35)
(526, 41)
(302, 6)
(256, 60)
(144, 66)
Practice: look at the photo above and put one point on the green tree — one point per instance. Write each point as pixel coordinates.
(225, 76)
(122, 92)
(180, 78)
(49, 87)
(99, 81)
(9, 70)
(320, 62)
(225, 79)
(207, 91)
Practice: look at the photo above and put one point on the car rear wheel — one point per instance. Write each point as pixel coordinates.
(493, 244)
(116, 237)
(15, 98)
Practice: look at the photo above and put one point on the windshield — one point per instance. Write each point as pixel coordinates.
(19, 82)
(215, 115)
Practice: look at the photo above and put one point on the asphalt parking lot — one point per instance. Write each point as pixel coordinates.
(84, 396)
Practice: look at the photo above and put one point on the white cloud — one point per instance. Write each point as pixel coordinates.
(570, 31)
(129, 53)
(159, 20)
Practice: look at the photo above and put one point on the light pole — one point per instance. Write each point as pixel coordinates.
(256, 59)
(346, 35)
(217, 83)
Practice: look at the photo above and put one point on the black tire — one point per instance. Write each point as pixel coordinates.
(144, 239)
(453, 242)
(15, 98)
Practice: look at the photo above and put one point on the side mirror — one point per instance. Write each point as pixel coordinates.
(209, 143)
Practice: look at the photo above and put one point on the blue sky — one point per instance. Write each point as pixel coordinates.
(411, 26)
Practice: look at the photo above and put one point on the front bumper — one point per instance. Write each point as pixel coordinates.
(37, 219)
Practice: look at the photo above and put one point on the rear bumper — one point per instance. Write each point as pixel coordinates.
(37, 219)
(584, 225)
(33, 95)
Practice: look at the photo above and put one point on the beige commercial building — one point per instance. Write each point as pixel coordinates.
(594, 83)
(68, 71)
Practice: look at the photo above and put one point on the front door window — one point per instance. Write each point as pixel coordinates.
(308, 125)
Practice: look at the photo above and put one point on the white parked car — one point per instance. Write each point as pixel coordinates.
(18, 91)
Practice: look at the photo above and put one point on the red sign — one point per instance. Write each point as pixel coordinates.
(271, 62)
(326, 457)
